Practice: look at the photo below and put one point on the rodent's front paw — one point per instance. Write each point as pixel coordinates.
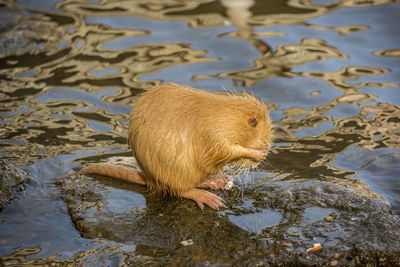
(258, 155)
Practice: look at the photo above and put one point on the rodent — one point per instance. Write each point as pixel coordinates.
(182, 137)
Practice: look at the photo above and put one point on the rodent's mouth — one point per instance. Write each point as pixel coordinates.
(265, 147)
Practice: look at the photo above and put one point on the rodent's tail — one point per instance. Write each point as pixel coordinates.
(116, 171)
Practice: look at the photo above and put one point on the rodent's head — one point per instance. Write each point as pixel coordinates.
(254, 126)
(258, 134)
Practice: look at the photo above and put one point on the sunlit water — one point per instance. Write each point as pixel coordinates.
(70, 72)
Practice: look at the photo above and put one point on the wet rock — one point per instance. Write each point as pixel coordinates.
(11, 180)
(263, 217)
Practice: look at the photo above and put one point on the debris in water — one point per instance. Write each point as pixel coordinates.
(316, 247)
(188, 242)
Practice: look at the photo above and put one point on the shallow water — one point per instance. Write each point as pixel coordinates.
(71, 71)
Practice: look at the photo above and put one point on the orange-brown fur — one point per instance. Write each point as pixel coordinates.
(181, 135)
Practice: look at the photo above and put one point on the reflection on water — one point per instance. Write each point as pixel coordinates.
(70, 71)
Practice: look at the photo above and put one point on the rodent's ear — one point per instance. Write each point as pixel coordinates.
(253, 122)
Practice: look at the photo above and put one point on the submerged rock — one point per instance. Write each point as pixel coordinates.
(263, 217)
(11, 180)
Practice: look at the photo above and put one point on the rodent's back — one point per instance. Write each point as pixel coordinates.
(179, 135)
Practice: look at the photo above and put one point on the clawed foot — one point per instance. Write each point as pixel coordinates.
(202, 197)
(258, 155)
(215, 182)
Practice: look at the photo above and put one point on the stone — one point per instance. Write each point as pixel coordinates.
(11, 180)
(361, 225)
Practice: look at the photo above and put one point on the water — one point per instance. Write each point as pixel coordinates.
(70, 73)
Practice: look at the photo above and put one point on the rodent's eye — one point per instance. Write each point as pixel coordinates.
(253, 122)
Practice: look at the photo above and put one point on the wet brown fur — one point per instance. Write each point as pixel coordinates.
(181, 135)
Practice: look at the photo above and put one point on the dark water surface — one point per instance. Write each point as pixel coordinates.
(71, 71)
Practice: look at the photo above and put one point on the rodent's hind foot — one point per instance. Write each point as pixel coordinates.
(215, 182)
(202, 197)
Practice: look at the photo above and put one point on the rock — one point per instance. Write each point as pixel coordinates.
(11, 180)
(188, 242)
(262, 217)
